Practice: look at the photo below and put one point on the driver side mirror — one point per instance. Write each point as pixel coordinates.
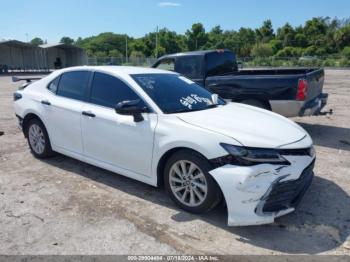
(131, 108)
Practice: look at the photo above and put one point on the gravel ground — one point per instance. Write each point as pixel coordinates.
(63, 206)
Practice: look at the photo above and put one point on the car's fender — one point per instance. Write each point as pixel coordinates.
(172, 133)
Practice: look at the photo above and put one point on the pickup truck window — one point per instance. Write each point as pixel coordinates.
(220, 63)
(189, 66)
(167, 64)
(174, 94)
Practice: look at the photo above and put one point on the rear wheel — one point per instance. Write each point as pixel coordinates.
(189, 184)
(38, 139)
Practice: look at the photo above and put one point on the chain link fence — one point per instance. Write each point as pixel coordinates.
(131, 61)
(305, 61)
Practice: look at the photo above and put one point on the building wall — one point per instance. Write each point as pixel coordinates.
(40, 58)
(5, 55)
(68, 56)
(22, 57)
(52, 53)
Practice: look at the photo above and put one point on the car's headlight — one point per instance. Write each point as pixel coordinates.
(252, 156)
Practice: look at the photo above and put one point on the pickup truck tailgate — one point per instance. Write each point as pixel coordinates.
(315, 81)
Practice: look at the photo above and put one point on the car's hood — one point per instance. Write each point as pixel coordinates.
(251, 126)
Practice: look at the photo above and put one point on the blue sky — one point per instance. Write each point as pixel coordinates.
(56, 18)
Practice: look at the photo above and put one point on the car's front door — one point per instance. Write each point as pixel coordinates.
(113, 138)
(63, 111)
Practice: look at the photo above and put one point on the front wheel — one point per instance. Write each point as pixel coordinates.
(189, 184)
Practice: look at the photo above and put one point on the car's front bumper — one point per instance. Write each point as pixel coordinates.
(291, 108)
(258, 194)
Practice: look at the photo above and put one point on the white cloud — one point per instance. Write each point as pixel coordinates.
(168, 4)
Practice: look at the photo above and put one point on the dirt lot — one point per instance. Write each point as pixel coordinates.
(63, 206)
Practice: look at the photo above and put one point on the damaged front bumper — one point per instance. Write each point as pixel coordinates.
(258, 194)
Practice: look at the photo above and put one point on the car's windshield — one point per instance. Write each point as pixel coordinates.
(173, 93)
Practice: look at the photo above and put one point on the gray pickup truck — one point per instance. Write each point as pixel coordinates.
(289, 92)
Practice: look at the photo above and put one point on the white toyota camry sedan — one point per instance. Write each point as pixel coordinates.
(161, 128)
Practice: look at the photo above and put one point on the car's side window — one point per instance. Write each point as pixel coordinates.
(73, 84)
(108, 91)
(53, 85)
(167, 64)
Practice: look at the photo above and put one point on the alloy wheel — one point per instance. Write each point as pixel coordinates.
(188, 183)
(36, 139)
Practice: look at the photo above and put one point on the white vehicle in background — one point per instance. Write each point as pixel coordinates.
(163, 129)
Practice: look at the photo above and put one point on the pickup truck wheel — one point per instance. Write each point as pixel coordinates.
(38, 139)
(256, 103)
(189, 184)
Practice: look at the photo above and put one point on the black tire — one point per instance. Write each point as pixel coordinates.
(47, 151)
(256, 103)
(213, 195)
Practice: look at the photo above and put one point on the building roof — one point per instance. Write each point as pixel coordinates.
(60, 45)
(17, 43)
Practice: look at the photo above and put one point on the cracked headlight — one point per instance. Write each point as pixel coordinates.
(248, 156)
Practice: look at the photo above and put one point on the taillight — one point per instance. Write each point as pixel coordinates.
(302, 89)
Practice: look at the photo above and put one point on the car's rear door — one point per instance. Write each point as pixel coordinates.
(116, 139)
(63, 111)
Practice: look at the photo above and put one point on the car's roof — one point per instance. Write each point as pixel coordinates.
(128, 70)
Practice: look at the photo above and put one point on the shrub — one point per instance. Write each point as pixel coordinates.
(289, 52)
(346, 52)
(262, 50)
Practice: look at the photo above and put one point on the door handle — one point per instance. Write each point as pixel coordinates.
(88, 113)
(46, 102)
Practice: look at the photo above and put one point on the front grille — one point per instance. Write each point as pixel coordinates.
(296, 152)
(289, 193)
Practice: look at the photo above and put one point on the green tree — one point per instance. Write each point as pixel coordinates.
(315, 30)
(67, 40)
(286, 34)
(346, 52)
(170, 41)
(196, 37)
(115, 53)
(319, 36)
(276, 45)
(36, 41)
(265, 32)
(342, 37)
(300, 40)
(215, 39)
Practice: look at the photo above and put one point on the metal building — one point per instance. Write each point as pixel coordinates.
(16, 55)
(64, 55)
(21, 56)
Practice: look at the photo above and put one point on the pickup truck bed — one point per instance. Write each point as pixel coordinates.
(275, 89)
(289, 92)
